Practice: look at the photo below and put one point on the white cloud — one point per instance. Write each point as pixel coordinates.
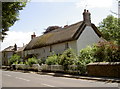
(54, 0)
(94, 3)
(16, 37)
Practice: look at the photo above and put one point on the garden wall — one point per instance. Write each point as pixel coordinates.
(44, 67)
(108, 69)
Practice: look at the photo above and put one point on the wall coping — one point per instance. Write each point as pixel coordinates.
(104, 63)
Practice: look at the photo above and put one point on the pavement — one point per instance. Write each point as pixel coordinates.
(103, 79)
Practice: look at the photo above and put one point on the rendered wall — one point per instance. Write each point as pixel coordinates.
(44, 52)
(87, 37)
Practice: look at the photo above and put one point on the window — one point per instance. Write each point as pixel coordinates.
(4, 54)
(50, 48)
(66, 46)
(44, 50)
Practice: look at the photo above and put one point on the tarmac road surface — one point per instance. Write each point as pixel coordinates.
(19, 79)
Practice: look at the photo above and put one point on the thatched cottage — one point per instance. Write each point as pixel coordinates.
(75, 36)
(7, 53)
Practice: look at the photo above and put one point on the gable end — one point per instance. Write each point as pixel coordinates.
(79, 31)
(96, 30)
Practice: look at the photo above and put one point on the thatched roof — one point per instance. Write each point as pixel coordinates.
(68, 33)
(8, 49)
(21, 49)
(11, 49)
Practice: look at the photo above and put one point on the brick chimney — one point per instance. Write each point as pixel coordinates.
(86, 17)
(33, 36)
(15, 47)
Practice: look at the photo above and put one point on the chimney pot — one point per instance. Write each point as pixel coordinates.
(33, 36)
(84, 10)
(86, 17)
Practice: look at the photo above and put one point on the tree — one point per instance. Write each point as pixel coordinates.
(51, 28)
(110, 28)
(10, 13)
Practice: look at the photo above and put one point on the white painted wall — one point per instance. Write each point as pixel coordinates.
(73, 45)
(41, 52)
(44, 52)
(118, 9)
(60, 48)
(88, 37)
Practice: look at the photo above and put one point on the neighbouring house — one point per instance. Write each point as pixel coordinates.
(7, 53)
(76, 36)
(20, 52)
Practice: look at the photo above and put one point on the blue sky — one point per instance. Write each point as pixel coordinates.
(38, 15)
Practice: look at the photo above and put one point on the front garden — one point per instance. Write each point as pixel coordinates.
(69, 62)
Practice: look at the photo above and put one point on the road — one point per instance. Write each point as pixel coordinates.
(19, 79)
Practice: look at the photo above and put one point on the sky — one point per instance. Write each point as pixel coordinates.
(40, 14)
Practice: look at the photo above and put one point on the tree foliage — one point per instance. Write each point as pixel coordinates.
(110, 28)
(10, 13)
(101, 52)
(107, 51)
(51, 28)
(14, 59)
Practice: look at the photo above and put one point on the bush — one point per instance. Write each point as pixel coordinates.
(87, 53)
(107, 51)
(14, 59)
(31, 61)
(21, 63)
(43, 60)
(101, 52)
(39, 61)
(85, 57)
(52, 60)
(67, 58)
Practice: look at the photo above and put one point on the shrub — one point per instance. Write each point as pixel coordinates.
(52, 60)
(39, 61)
(31, 61)
(43, 60)
(21, 63)
(87, 53)
(85, 57)
(14, 59)
(67, 58)
(101, 52)
(107, 51)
